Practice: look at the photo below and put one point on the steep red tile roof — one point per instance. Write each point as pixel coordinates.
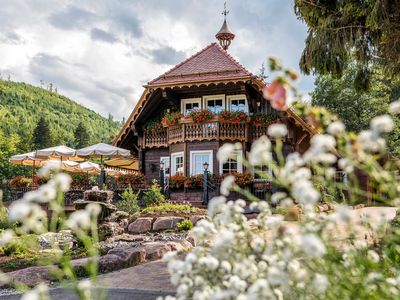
(211, 63)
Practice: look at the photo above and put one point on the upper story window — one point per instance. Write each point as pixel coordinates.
(188, 105)
(214, 103)
(238, 103)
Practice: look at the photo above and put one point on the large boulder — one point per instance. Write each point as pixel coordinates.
(194, 219)
(62, 239)
(140, 225)
(31, 276)
(111, 262)
(156, 250)
(98, 196)
(131, 256)
(109, 229)
(163, 223)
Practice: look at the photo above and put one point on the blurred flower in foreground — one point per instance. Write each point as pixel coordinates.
(276, 93)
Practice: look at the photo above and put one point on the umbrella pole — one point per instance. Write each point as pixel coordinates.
(33, 170)
(102, 173)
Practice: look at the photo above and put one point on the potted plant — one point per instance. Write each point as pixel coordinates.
(264, 120)
(171, 119)
(177, 182)
(241, 179)
(233, 117)
(153, 127)
(20, 181)
(201, 116)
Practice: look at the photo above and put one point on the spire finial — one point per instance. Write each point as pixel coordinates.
(225, 12)
(224, 35)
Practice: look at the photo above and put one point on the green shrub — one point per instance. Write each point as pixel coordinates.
(169, 207)
(153, 196)
(185, 225)
(21, 246)
(129, 201)
(4, 223)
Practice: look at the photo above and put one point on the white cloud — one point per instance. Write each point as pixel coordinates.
(100, 53)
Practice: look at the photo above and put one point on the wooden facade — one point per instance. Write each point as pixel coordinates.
(210, 74)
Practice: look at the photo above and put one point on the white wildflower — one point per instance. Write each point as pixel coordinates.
(304, 192)
(93, 209)
(48, 167)
(227, 184)
(226, 151)
(370, 141)
(19, 210)
(209, 262)
(260, 153)
(346, 165)
(224, 239)
(85, 287)
(312, 245)
(63, 181)
(169, 256)
(277, 130)
(46, 193)
(274, 221)
(276, 276)
(342, 213)
(6, 236)
(382, 124)
(335, 128)
(79, 219)
(215, 204)
(277, 197)
(320, 283)
(373, 256)
(40, 292)
(395, 107)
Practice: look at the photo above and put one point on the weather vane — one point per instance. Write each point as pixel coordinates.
(225, 12)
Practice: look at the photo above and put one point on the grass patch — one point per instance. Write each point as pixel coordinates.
(168, 207)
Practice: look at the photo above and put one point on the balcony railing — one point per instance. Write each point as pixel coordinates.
(212, 130)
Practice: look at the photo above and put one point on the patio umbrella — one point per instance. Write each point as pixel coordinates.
(123, 163)
(62, 152)
(88, 167)
(26, 159)
(102, 150)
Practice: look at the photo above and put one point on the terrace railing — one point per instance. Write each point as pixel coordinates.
(212, 130)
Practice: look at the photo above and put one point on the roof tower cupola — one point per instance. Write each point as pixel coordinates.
(224, 35)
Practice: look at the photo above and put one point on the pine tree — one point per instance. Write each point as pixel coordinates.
(81, 135)
(41, 134)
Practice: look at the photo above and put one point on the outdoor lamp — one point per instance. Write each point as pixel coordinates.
(205, 165)
(162, 165)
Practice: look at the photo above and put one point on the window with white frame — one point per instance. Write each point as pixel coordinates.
(188, 105)
(177, 165)
(233, 164)
(214, 103)
(197, 160)
(238, 103)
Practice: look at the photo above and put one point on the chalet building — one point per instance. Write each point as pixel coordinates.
(210, 80)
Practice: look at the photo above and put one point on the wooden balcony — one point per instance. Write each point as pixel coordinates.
(212, 130)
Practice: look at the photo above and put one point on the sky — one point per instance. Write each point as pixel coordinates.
(100, 53)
